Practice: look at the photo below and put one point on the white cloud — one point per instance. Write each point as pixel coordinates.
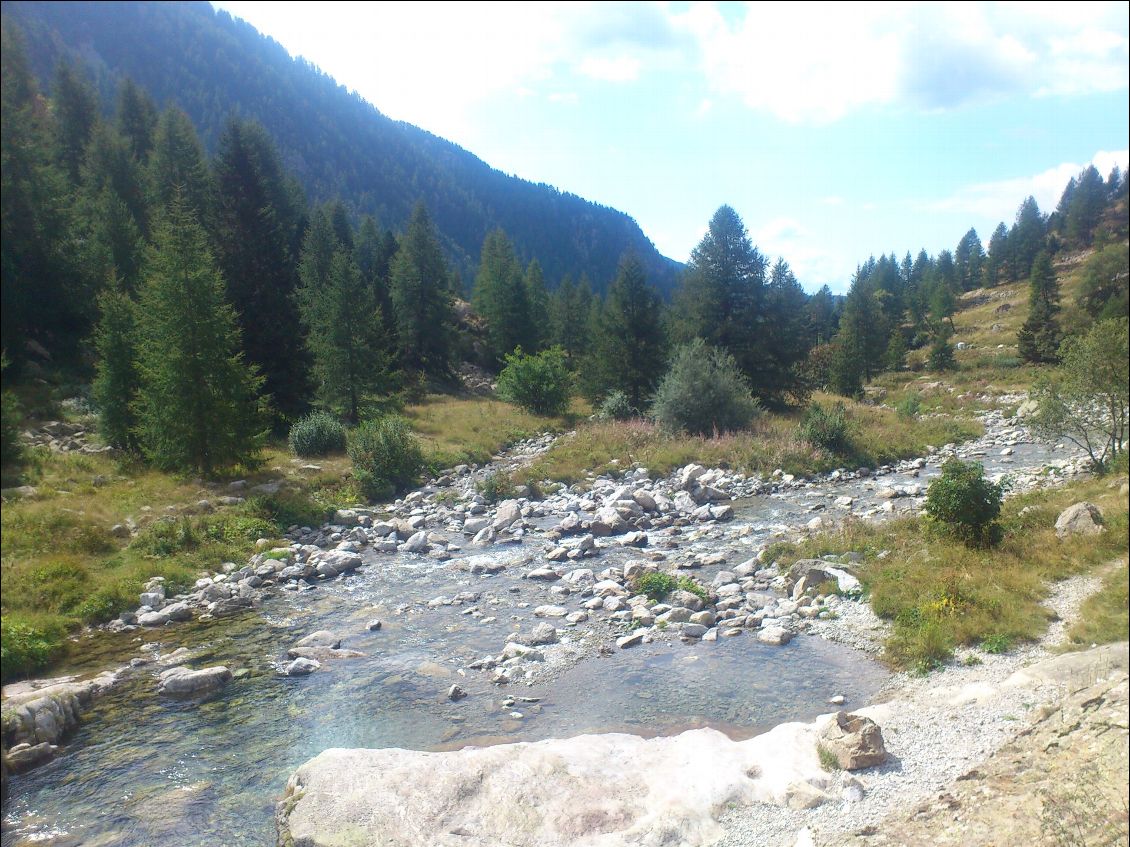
(610, 69)
(817, 63)
(813, 263)
(999, 200)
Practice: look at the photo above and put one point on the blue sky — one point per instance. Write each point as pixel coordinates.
(836, 131)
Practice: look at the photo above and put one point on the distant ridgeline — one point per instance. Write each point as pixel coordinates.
(337, 145)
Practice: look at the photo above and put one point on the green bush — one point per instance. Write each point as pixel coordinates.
(941, 355)
(963, 504)
(616, 407)
(909, 407)
(655, 584)
(539, 384)
(317, 434)
(704, 393)
(386, 456)
(26, 648)
(828, 429)
(495, 487)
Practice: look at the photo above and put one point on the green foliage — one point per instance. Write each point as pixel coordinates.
(1039, 338)
(117, 380)
(317, 434)
(963, 503)
(704, 393)
(386, 456)
(539, 384)
(689, 583)
(629, 345)
(1105, 290)
(616, 407)
(941, 356)
(500, 297)
(1085, 400)
(655, 584)
(496, 487)
(421, 300)
(895, 357)
(345, 330)
(826, 428)
(198, 403)
(828, 759)
(996, 643)
(26, 648)
(909, 407)
(11, 416)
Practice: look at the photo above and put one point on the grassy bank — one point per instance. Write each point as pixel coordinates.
(939, 595)
(877, 436)
(62, 568)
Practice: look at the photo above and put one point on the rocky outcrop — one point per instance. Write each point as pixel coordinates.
(37, 715)
(855, 741)
(589, 790)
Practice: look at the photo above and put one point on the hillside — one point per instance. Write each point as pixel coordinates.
(337, 144)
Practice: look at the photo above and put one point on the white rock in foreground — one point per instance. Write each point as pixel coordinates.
(554, 793)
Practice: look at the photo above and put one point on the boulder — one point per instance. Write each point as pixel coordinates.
(543, 633)
(1079, 519)
(302, 667)
(183, 682)
(320, 638)
(507, 513)
(855, 741)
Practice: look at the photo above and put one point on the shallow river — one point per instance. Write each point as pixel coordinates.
(143, 769)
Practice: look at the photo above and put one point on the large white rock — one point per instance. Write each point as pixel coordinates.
(555, 793)
(1079, 519)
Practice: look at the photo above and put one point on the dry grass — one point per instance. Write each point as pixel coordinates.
(878, 436)
(938, 594)
(1104, 617)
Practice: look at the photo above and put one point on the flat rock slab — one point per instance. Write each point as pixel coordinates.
(587, 791)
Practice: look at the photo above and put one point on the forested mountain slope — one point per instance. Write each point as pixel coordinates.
(338, 145)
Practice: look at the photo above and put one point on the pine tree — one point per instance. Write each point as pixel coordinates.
(1025, 239)
(421, 299)
(569, 315)
(996, 266)
(137, 118)
(630, 349)
(373, 253)
(258, 221)
(76, 111)
(500, 297)
(178, 165)
(823, 315)
(721, 300)
(117, 380)
(198, 400)
(345, 335)
(969, 259)
(1085, 208)
(866, 330)
(895, 357)
(788, 336)
(114, 246)
(537, 305)
(1039, 337)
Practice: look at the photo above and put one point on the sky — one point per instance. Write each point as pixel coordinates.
(837, 131)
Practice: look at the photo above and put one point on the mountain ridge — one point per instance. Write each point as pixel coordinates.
(337, 144)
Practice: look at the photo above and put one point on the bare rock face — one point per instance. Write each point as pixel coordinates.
(856, 741)
(1080, 519)
(588, 791)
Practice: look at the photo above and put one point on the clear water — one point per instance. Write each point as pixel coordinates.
(143, 769)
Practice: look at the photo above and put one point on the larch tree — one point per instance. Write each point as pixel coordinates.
(198, 404)
(1039, 338)
(421, 299)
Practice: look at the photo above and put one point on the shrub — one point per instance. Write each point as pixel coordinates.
(496, 487)
(539, 384)
(909, 407)
(689, 583)
(941, 355)
(962, 503)
(655, 584)
(27, 648)
(616, 407)
(826, 429)
(704, 393)
(386, 456)
(317, 434)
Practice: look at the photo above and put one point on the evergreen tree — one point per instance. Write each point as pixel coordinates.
(1085, 207)
(995, 267)
(895, 357)
(969, 259)
(1025, 239)
(823, 315)
(846, 373)
(569, 318)
(137, 119)
(373, 253)
(723, 293)
(178, 166)
(500, 297)
(40, 293)
(198, 399)
(117, 380)
(787, 336)
(421, 299)
(537, 305)
(629, 349)
(258, 220)
(1039, 337)
(76, 115)
(345, 335)
(863, 331)
(110, 165)
(114, 246)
